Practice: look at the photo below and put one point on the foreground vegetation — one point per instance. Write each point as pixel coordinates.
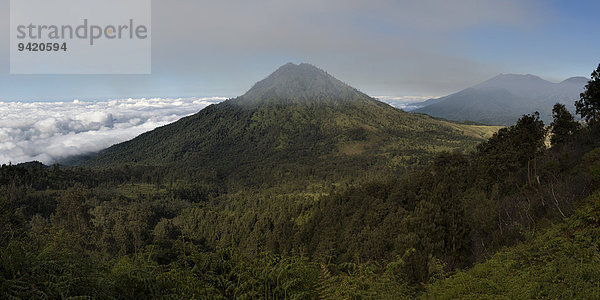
(562, 262)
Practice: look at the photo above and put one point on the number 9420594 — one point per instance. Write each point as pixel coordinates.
(38, 47)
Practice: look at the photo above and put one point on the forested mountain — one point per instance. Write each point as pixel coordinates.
(512, 218)
(299, 122)
(504, 98)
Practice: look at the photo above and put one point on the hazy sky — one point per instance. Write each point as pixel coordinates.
(393, 48)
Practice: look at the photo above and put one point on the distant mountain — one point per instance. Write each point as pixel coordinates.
(298, 122)
(504, 98)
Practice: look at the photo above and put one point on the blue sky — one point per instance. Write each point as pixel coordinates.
(562, 44)
(383, 47)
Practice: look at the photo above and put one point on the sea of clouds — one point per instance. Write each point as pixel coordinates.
(406, 103)
(50, 131)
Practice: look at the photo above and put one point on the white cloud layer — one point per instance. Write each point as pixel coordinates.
(406, 103)
(50, 131)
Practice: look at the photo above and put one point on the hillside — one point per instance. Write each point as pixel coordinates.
(563, 262)
(299, 122)
(128, 232)
(504, 98)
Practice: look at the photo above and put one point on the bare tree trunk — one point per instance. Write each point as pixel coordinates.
(556, 200)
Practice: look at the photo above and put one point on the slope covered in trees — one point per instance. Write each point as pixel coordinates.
(124, 233)
(562, 262)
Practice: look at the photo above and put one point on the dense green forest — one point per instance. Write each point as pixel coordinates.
(511, 218)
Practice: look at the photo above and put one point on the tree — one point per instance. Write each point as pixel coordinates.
(512, 148)
(588, 107)
(563, 125)
(72, 211)
(529, 134)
